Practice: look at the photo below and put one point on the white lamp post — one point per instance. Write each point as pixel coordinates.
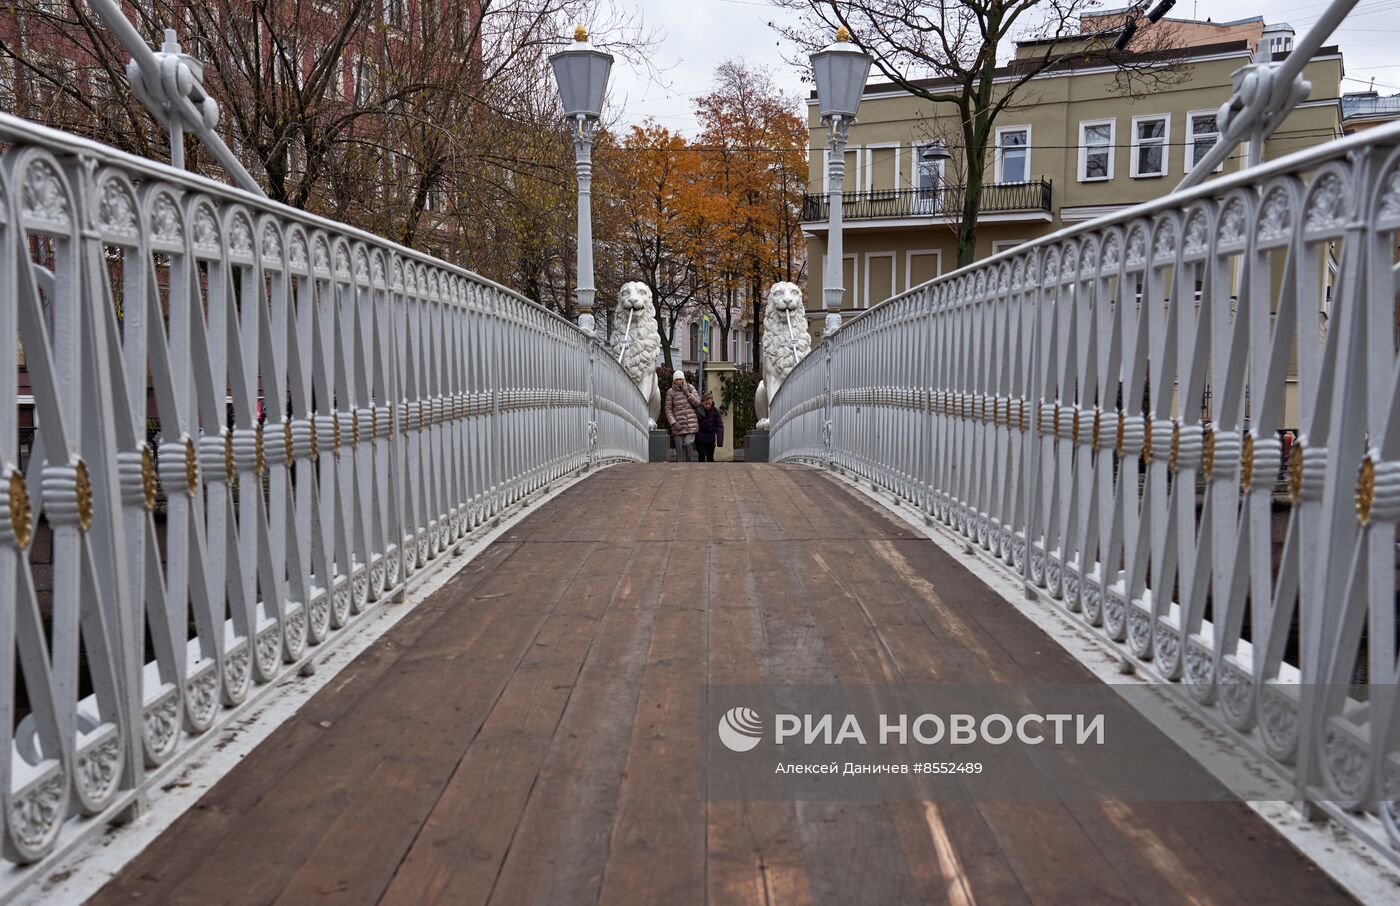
(582, 74)
(840, 72)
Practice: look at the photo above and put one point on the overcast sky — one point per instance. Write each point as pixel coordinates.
(697, 35)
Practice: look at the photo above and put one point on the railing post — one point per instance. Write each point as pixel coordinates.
(828, 407)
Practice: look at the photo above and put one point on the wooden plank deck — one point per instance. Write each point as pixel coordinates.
(527, 735)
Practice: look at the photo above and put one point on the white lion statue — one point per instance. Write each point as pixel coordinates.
(786, 341)
(640, 343)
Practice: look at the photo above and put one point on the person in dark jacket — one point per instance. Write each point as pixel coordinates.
(710, 432)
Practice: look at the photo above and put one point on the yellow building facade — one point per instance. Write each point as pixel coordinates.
(1072, 146)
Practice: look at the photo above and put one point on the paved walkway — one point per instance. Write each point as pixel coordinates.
(528, 734)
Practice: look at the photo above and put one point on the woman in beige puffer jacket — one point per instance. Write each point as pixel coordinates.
(681, 400)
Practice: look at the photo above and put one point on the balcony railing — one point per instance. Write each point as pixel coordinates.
(944, 201)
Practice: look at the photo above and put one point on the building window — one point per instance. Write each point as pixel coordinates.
(1150, 145)
(1004, 245)
(1202, 134)
(694, 342)
(928, 182)
(394, 13)
(1013, 154)
(1096, 150)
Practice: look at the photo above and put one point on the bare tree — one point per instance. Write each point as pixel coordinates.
(945, 52)
(433, 123)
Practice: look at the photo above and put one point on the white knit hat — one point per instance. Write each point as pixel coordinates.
(678, 376)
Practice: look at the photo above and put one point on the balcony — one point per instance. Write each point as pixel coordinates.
(1019, 200)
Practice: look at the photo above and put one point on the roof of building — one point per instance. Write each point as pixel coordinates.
(1094, 59)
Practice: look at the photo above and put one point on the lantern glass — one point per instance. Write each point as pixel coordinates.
(582, 73)
(840, 72)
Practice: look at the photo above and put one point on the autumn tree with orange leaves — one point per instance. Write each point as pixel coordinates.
(708, 224)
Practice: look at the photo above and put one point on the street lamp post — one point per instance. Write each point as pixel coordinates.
(582, 73)
(840, 72)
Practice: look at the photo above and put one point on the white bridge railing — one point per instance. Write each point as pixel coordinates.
(328, 412)
(1182, 423)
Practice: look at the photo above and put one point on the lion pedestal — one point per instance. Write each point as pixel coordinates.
(786, 341)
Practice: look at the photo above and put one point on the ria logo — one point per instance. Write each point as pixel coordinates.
(740, 729)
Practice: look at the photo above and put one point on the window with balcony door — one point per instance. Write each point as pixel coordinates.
(1096, 150)
(928, 182)
(1150, 145)
(1013, 161)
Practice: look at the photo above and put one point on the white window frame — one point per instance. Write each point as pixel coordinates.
(1191, 117)
(909, 265)
(1084, 126)
(894, 276)
(1000, 151)
(853, 178)
(870, 163)
(915, 166)
(1005, 245)
(1166, 144)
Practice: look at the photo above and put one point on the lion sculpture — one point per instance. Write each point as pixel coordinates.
(640, 343)
(786, 341)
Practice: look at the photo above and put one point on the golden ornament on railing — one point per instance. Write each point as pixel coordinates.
(315, 448)
(1098, 427)
(260, 459)
(1147, 440)
(355, 430)
(287, 440)
(1074, 428)
(191, 468)
(1057, 420)
(148, 477)
(1247, 462)
(228, 456)
(1365, 490)
(1176, 446)
(1295, 474)
(1122, 426)
(1021, 414)
(19, 509)
(1208, 456)
(83, 490)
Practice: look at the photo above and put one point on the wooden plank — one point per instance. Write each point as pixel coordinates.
(436, 837)
(851, 849)
(951, 853)
(421, 694)
(166, 861)
(657, 850)
(754, 849)
(561, 845)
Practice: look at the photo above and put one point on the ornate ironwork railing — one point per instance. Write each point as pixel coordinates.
(334, 411)
(1045, 404)
(944, 201)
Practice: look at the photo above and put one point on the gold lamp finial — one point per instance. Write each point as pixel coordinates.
(843, 34)
(580, 33)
